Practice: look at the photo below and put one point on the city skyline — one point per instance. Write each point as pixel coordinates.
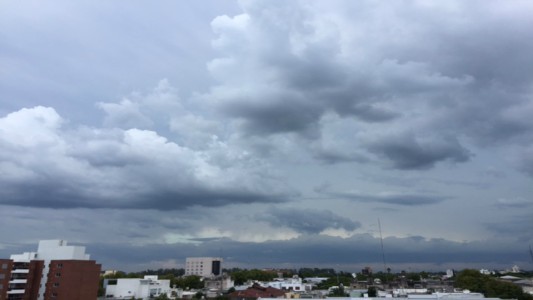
(269, 133)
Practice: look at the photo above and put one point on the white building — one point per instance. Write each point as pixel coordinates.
(47, 251)
(126, 288)
(290, 284)
(219, 283)
(203, 266)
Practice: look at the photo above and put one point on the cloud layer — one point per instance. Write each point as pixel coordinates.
(46, 165)
(276, 132)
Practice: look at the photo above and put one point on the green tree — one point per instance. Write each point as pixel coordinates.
(162, 297)
(241, 276)
(344, 278)
(489, 286)
(338, 292)
(372, 291)
(189, 282)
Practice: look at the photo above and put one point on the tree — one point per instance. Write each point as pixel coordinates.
(338, 292)
(372, 291)
(191, 282)
(241, 276)
(489, 286)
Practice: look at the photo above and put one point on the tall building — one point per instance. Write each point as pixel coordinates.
(55, 272)
(203, 266)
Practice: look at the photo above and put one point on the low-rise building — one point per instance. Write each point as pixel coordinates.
(145, 288)
(294, 284)
(219, 283)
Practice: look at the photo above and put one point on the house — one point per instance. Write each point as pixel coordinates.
(257, 291)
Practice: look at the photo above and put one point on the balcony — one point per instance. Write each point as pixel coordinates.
(19, 291)
(18, 281)
(20, 271)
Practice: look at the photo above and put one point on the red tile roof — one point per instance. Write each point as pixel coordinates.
(257, 291)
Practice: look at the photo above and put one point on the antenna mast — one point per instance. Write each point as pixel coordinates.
(382, 249)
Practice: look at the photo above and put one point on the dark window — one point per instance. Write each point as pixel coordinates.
(56, 284)
(58, 274)
(60, 266)
(216, 267)
(4, 266)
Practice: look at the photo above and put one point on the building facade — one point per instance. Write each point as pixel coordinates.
(203, 266)
(126, 288)
(55, 271)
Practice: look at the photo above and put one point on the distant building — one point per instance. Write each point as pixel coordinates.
(126, 288)
(203, 266)
(56, 271)
(449, 273)
(366, 271)
(219, 283)
(109, 272)
(294, 284)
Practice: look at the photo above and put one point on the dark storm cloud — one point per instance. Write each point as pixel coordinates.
(433, 75)
(333, 156)
(395, 199)
(54, 194)
(411, 97)
(519, 227)
(307, 220)
(407, 152)
(311, 250)
(275, 114)
(525, 163)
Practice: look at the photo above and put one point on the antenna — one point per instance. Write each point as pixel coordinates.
(382, 248)
(531, 252)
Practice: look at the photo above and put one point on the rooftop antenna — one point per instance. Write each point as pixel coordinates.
(382, 249)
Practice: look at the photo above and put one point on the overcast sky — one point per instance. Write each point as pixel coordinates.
(270, 133)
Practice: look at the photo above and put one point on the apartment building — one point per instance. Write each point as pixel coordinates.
(56, 271)
(203, 266)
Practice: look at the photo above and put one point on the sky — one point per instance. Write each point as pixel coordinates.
(270, 133)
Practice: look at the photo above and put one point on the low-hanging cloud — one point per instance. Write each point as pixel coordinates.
(307, 221)
(401, 199)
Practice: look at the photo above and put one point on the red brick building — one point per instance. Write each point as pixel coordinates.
(72, 279)
(26, 277)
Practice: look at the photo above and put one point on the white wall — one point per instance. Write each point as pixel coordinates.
(140, 288)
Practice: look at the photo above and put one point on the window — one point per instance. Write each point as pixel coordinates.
(1, 286)
(60, 266)
(58, 274)
(4, 266)
(2, 276)
(56, 284)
